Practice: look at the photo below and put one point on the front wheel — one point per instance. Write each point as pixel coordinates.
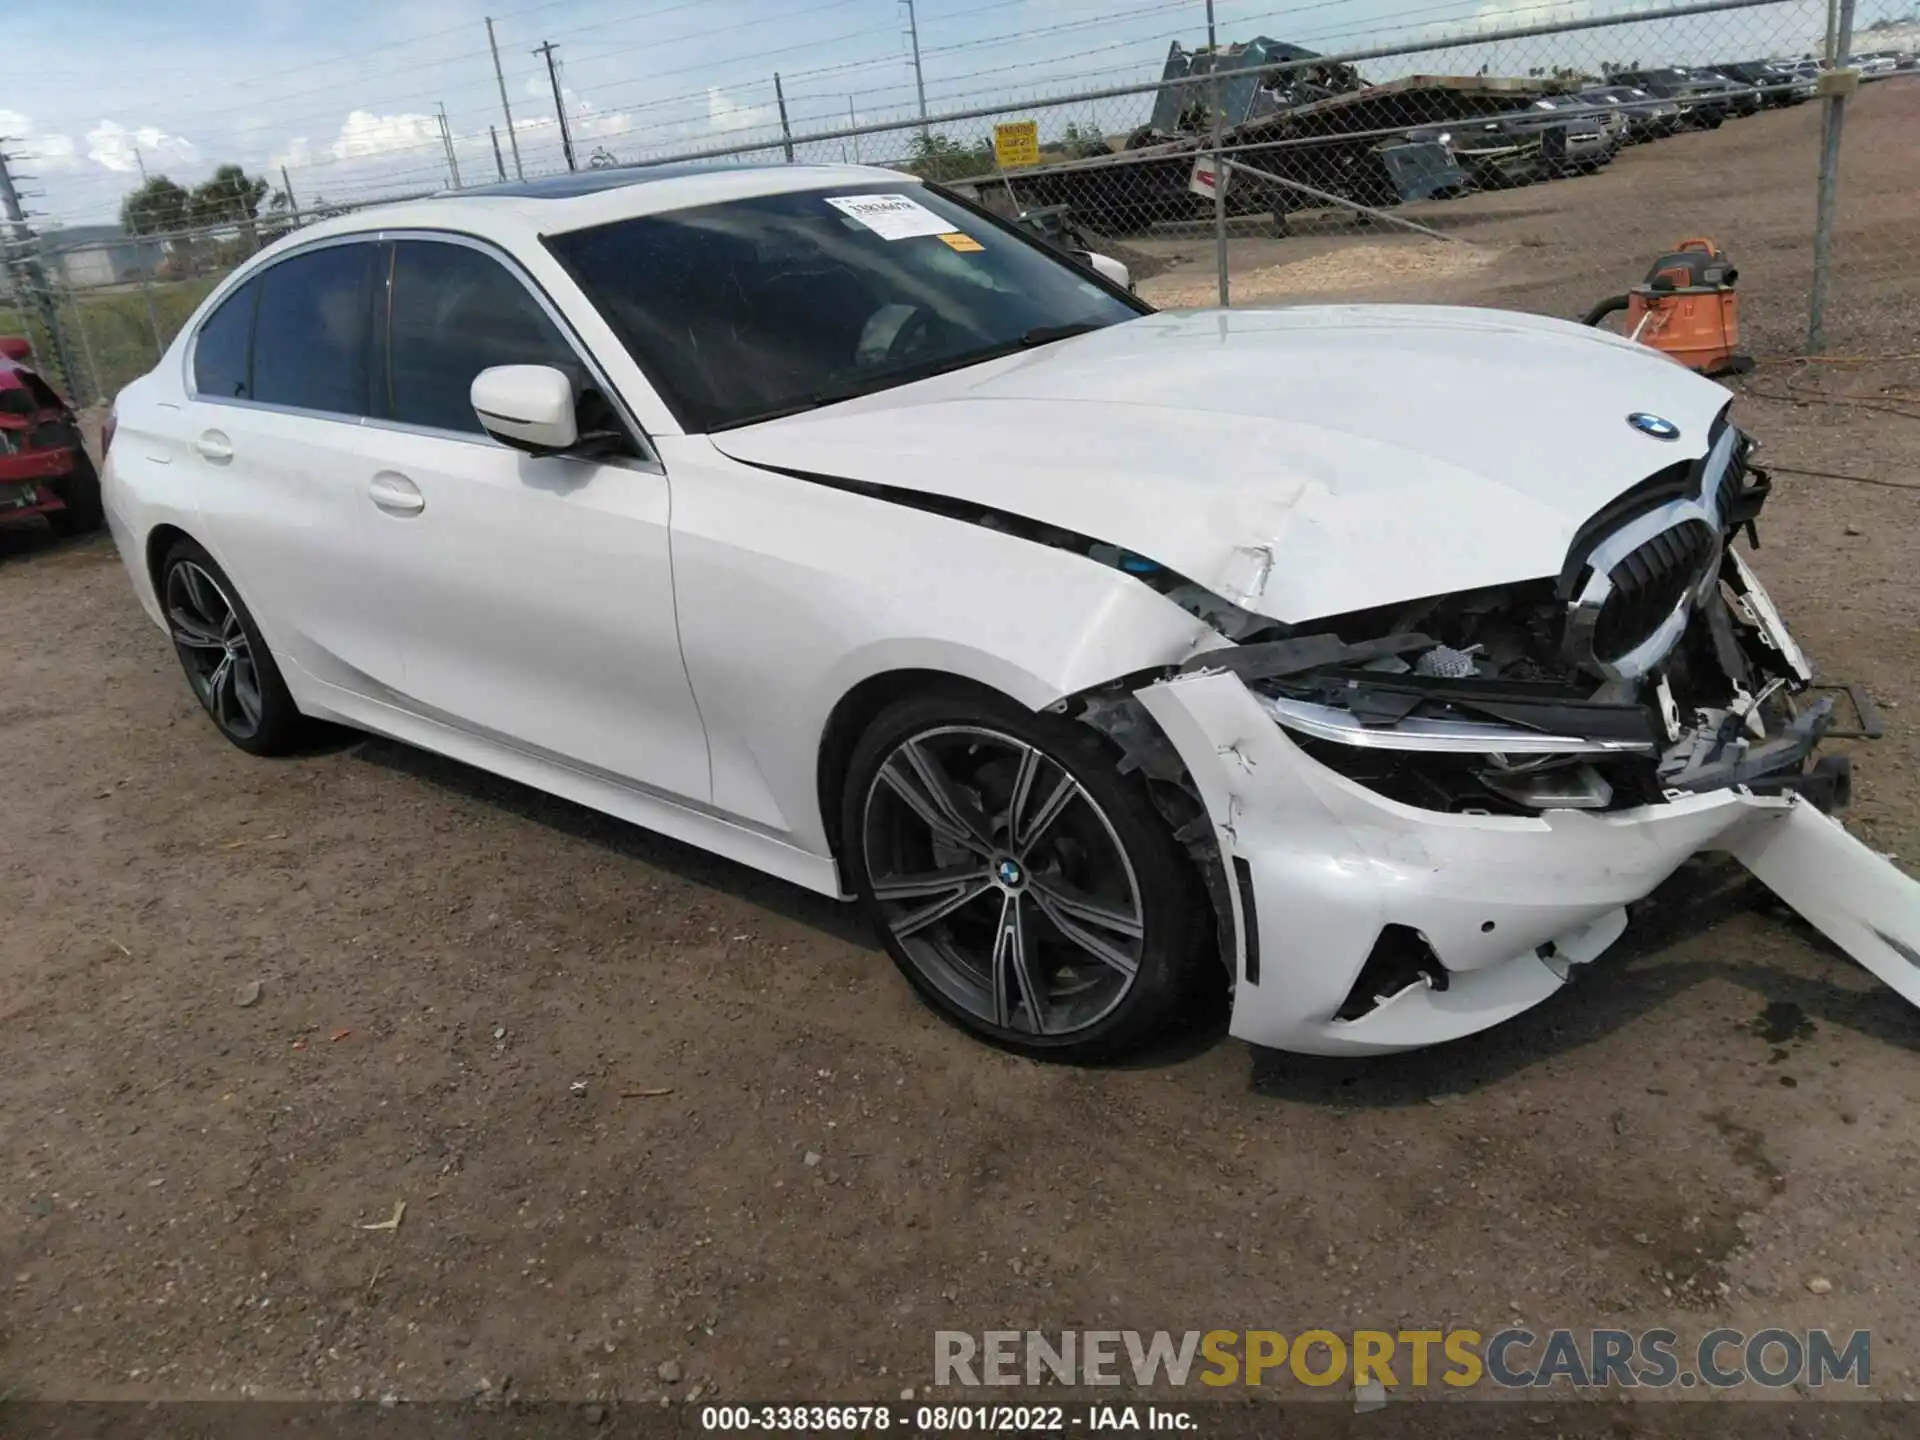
(1026, 889)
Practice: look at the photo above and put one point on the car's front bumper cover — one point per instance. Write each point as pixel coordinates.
(1506, 903)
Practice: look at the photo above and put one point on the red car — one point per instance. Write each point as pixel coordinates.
(44, 468)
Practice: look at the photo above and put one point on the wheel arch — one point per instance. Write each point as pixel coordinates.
(162, 538)
(850, 718)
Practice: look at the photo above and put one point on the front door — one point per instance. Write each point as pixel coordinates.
(532, 596)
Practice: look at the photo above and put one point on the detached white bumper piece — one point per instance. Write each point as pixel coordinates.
(1457, 922)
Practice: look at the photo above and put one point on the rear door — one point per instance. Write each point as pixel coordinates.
(533, 596)
(283, 378)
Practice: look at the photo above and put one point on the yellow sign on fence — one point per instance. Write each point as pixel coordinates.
(1016, 143)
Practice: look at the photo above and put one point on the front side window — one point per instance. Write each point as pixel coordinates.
(221, 364)
(762, 306)
(456, 312)
(312, 339)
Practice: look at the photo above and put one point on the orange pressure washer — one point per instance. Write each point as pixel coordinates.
(1686, 308)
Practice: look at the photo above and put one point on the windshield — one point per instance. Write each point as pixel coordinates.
(764, 306)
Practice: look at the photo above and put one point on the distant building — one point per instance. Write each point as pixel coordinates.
(83, 256)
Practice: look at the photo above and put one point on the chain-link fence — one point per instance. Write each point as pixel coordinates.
(116, 305)
(1540, 160)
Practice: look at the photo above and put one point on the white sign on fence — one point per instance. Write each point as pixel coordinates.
(1202, 181)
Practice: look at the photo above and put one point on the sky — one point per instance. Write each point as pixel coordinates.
(346, 94)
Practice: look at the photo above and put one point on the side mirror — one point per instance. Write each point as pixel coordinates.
(1112, 269)
(530, 407)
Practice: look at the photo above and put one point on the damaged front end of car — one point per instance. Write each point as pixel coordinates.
(1419, 818)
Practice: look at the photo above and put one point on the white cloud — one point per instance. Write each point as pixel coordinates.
(42, 152)
(364, 133)
(727, 114)
(111, 145)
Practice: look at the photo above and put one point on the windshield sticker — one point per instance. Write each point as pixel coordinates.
(965, 244)
(891, 217)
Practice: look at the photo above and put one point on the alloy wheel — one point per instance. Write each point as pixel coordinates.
(1003, 881)
(213, 646)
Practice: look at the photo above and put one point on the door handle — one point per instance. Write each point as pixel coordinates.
(396, 494)
(213, 445)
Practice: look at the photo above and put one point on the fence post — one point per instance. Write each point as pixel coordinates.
(1219, 168)
(95, 384)
(1833, 121)
(786, 130)
(153, 318)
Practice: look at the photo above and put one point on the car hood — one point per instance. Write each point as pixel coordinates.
(1299, 462)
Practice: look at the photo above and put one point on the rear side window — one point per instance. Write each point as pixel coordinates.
(456, 312)
(312, 338)
(220, 360)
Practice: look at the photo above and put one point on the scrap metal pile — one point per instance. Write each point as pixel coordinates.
(1303, 130)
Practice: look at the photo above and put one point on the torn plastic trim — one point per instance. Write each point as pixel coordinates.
(1766, 617)
(1273, 659)
(1444, 737)
(1716, 754)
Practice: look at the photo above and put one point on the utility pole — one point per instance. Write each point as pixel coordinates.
(446, 139)
(21, 253)
(286, 188)
(493, 134)
(506, 109)
(919, 80)
(786, 130)
(853, 124)
(559, 106)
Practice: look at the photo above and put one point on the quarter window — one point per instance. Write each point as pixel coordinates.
(311, 341)
(220, 360)
(455, 313)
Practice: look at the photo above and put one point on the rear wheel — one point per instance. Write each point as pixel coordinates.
(79, 490)
(1028, 891)
(227, 663)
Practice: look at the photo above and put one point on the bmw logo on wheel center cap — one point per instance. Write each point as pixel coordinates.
(1658, 426)
(1009, 873)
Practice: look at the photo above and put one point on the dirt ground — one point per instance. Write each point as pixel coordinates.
(461, 986)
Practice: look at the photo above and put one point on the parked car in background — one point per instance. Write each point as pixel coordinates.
(1742, 97)
(1703, 104)
(1648, 116)
(1878, 63)
(45, 473)
(1777, 82)
(1519, 148)
(1583, 116)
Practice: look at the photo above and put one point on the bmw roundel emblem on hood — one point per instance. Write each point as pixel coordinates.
(1657, 426)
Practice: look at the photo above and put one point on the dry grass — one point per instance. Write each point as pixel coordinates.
(1337, 272)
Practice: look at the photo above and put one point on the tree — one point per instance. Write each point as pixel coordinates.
(229, 197)
(1080, 144)
(941, 157)
(155, 208)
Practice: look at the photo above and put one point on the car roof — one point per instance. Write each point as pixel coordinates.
(520, 211)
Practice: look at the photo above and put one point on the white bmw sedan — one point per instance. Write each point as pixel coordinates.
(1369, 660)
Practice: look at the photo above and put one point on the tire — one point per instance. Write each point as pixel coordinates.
(79, 488)
(220, 647)
(996, 931)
